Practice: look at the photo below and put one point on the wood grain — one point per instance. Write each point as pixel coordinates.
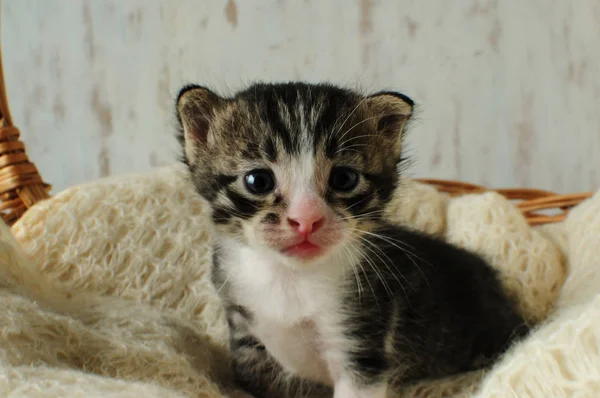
(508, 91)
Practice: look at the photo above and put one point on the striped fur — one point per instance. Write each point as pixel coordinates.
(383, 303)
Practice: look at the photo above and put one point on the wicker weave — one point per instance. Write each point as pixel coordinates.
(21, 185)
(538, 206)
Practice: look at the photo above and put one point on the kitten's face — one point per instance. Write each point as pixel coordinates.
(301, 171)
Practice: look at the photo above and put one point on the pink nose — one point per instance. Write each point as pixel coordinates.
(307, 224)
(307, 214)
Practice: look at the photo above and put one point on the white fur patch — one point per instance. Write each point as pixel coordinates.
(296, 311)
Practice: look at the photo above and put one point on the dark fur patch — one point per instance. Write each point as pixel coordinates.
(224, 180)
(245, 207)
(221, 215)
(247, 342)
(331, 147)
(271, 218)
(358, 203)
(252, 151)
(334, 102)
(385, 184)
(270, 150)
(243, 311)
(450, 306)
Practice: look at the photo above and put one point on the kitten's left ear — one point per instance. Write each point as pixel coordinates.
(392, 111)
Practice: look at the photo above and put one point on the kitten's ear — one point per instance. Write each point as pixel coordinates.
(392, 111)
(196, 110)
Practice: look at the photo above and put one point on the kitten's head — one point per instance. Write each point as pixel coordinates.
(296, 169)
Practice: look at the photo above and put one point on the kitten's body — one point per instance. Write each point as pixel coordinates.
(433, 316)
(376, 302)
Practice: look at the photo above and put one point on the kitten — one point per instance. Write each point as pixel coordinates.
(323, 296)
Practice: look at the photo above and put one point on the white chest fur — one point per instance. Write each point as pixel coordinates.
(296, 312)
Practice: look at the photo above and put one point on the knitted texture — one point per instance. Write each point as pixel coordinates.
(106, 293)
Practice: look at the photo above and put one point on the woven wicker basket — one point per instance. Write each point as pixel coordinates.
(21, 186)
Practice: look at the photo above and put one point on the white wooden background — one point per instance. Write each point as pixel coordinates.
(509, 90)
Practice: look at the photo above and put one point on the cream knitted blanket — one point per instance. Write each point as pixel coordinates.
(105, 293)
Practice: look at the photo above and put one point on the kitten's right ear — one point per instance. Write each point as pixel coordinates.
(196, 110)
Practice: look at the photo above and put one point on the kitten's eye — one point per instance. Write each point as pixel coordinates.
(343, 179)
(259, 181)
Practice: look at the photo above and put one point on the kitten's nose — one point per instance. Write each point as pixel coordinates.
(307, 214)
(307, 223)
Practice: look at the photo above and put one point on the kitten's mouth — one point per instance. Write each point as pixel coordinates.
(304, 250)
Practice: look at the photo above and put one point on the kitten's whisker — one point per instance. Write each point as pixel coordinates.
(410, 254)
(362, 200)
(376, 270)
(375, 247)
(347, 117)
(363, 121)
(351, 150)
(346, 148)
(362, 269)
(372, 211)
(387, 265)
(362, 215)
(355, 272)
(376, 235)
(390, 240)
(365, 217)
(357, 124)
(364, 257)
(357, 137)
(224, 283)
(232, 212)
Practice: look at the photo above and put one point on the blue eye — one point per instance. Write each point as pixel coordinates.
(259, 182)
(343, 179)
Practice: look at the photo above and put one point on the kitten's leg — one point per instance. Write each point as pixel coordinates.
(260, 375)
(364, 373)
(257, 372)
(346, 388)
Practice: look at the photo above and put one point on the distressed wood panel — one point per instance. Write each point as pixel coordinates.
(508, 90)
